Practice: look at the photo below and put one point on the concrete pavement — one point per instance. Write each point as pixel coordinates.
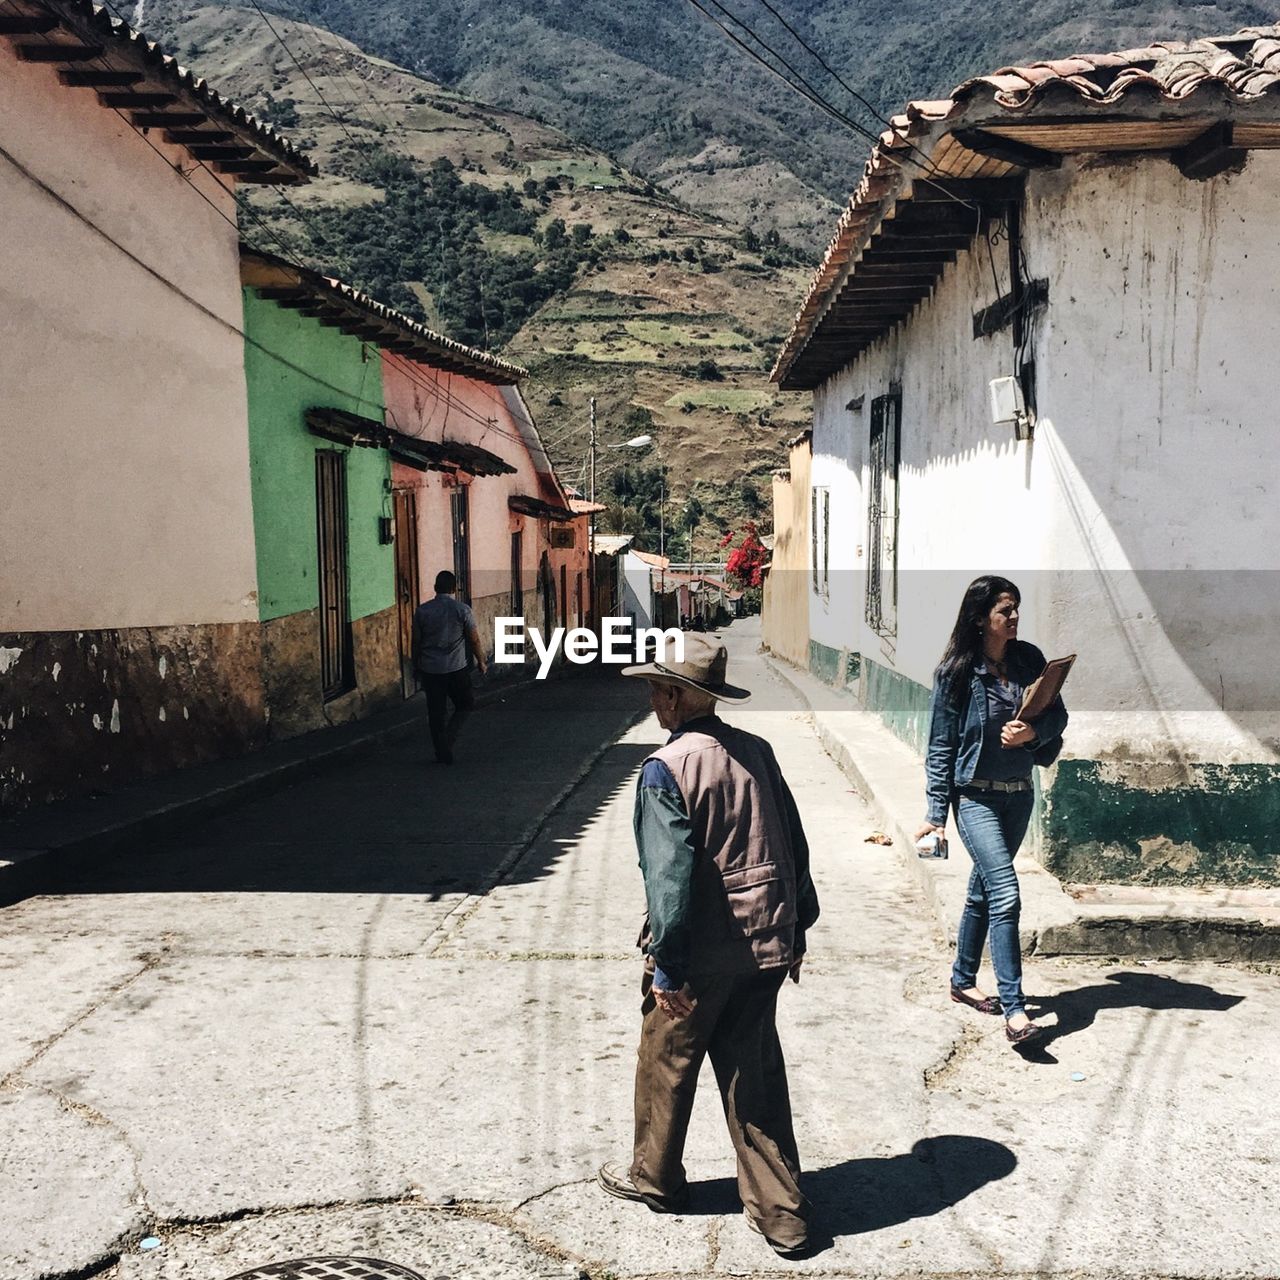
(392, 1011)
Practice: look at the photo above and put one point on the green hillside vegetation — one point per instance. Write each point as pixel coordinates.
(503, 232)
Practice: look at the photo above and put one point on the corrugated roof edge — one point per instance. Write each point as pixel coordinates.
(150, 53)
(1015, 89)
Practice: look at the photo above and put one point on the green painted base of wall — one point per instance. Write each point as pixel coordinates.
(1134, 824)
(827, 664)
(902, 703)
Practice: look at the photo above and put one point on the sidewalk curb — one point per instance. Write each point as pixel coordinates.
(1053, 922)
(29, 868)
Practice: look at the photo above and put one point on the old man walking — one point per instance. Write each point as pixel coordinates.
(726, 877)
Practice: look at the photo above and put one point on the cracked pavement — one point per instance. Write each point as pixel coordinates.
(392, 1011)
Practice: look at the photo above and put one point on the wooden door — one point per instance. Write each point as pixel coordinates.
(337, 666)
(407, 581)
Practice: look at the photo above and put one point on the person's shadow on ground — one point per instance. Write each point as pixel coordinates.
(1077, 1010)
(858, 1196)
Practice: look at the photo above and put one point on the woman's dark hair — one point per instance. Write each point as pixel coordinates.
(965, 646)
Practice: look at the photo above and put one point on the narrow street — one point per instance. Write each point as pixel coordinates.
(392, 1010)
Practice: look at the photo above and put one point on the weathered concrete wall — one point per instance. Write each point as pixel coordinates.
(1140, 523)
(786, 607)
(291, 673)
(124, 494)
(83, 711)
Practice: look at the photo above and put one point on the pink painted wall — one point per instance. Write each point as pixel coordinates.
(437, 406)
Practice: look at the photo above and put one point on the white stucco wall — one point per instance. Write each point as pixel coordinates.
(124, 493)
(637, 589)
(1141, 523)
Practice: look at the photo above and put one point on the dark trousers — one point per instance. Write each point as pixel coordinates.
(455, 688)
(733, 1022)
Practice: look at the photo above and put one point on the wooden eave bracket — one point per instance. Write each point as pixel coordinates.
(124, 82)
(1212, 153)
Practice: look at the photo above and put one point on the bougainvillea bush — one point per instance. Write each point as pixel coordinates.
(745, 566)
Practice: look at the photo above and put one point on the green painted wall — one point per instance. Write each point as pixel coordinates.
(1220, 826)
(324, 367)
(902, 703)
(827, 664)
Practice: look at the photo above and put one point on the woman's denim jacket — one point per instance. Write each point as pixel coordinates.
(956, 728)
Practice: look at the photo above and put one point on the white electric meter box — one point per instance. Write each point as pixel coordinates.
(1006, 401)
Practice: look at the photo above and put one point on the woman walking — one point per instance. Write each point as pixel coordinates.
(979, 761)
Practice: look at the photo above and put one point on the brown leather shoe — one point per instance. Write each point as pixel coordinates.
(1023, 1035)
(988, 1004)
(799, 1250)
(615, 1178)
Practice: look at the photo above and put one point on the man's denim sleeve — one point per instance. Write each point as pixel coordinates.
(940, 759)
(664, 838)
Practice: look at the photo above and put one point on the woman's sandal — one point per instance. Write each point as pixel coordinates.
(1023, 1035)
(988, 1004)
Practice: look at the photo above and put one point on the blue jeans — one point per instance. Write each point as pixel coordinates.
(992, 828)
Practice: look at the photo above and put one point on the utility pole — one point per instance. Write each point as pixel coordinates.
(591, 537)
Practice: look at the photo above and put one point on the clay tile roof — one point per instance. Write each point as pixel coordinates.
(1219, 78)
(152, 85)
(292, 285)
(1243, 63)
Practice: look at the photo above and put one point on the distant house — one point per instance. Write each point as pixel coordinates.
(795, 568)
(1038, 345)
(370, 477)
(129, 610)
(493, 511)
(608, 572)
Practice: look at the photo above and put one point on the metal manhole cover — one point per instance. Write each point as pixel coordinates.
(329, 1269)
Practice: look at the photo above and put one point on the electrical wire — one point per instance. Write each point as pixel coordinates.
(807, 91)
(848, 88)
(342, 124)
(311, 34)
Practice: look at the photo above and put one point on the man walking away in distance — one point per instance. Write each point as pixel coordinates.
(726, 876)
(443, 630)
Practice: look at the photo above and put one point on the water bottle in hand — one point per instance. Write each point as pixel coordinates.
(934, 845)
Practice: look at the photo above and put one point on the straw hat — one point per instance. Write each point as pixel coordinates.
(703, 669)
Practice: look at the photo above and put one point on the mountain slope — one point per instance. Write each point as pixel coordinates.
(503, 232)
(655, 84)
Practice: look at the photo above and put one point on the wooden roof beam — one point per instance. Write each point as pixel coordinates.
(218, 151)
(95, 78)
(27, 24)
(59, 52)
(913, 237)
(1006, 150)
(281, 178)
(980, 191)
(185, 137)
(134, 101)
(246, 166)
(167, 119)
(904, 253)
